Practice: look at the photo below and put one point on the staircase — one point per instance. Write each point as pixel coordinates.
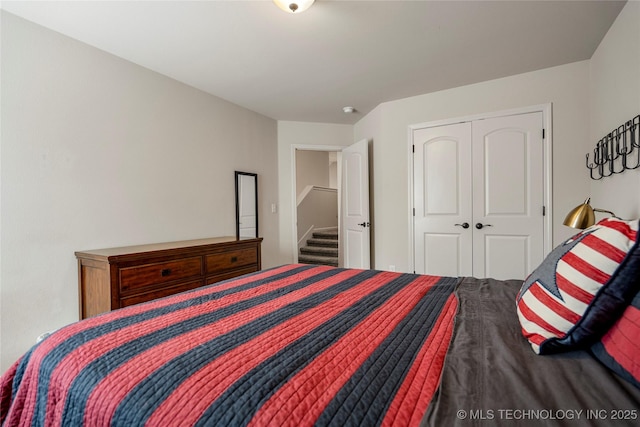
(322, 248)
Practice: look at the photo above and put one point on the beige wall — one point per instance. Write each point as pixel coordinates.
(615, 98)
(99, 152)
(565, 87)
(312, 169)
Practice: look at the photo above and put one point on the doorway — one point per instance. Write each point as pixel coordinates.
(353, 213)
(317, 206)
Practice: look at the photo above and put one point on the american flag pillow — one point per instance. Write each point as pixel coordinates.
(581, 288)
(619, 348)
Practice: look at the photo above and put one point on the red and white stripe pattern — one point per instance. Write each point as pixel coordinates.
(619, 349)
(579, 275)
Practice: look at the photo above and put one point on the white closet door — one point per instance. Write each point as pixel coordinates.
(442, 200)
(488, 174)
(508, 191)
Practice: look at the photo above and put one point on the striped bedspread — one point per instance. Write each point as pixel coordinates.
(294, 345)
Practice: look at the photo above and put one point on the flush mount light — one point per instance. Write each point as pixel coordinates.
(294, 6)
(348, 110)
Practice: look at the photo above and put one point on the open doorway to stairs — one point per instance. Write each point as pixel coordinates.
(317, 207)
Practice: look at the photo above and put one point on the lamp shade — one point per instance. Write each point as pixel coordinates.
(294, 6)
(582, 216)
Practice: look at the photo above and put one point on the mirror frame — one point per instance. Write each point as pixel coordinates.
(238, 174)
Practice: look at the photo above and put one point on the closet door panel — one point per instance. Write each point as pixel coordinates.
(442, 189)
(505, 180)
(497, 248)
(443, 254)
(508, 196)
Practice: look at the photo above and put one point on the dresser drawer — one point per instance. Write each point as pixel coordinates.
(231, 259)
(230, 274)
(140, 276)
(159, 293)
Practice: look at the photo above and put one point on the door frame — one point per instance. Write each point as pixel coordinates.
(294, 195)
(547, 158)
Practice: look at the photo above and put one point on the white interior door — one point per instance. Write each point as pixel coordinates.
(508, 196)
(442, 200)
(479, 197)
(355, 206)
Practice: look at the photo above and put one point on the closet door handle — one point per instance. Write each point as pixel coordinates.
(479, 225)
(464, 225)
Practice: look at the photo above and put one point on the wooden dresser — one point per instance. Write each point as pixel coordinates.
(118, 277)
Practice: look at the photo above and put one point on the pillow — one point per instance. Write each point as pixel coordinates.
(619, 348)
(581, 288)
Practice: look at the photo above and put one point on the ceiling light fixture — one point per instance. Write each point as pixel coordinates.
(294, 6)
(348, 110)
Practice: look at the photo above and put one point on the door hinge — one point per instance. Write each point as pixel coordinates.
(543, 133)
(544, 210)
(413, 148)
(414, 211)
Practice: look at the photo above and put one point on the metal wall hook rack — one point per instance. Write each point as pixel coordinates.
(617, 152)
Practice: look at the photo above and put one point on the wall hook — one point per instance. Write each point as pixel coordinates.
(617, 151)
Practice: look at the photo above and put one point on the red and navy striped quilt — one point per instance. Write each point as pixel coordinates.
(293, 345)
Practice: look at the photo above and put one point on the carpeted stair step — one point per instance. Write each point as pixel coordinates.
(326, 234)
(329, 243)
(322, 260)
(319, 250)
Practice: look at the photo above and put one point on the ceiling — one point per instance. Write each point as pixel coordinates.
(307, 67)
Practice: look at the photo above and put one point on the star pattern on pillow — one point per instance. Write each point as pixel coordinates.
(547, 276)
(560, 305)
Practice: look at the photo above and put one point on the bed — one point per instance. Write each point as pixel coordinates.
(316, 345)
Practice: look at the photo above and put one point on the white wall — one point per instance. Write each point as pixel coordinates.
(291, 134)
(615, 98)
(99, 152)
(312, 169)
(564, 86)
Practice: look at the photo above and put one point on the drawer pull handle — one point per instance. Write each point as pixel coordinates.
(166, 272)
(234, 258)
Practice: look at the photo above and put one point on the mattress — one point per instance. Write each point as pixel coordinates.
(302, 345)
(294, 345)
